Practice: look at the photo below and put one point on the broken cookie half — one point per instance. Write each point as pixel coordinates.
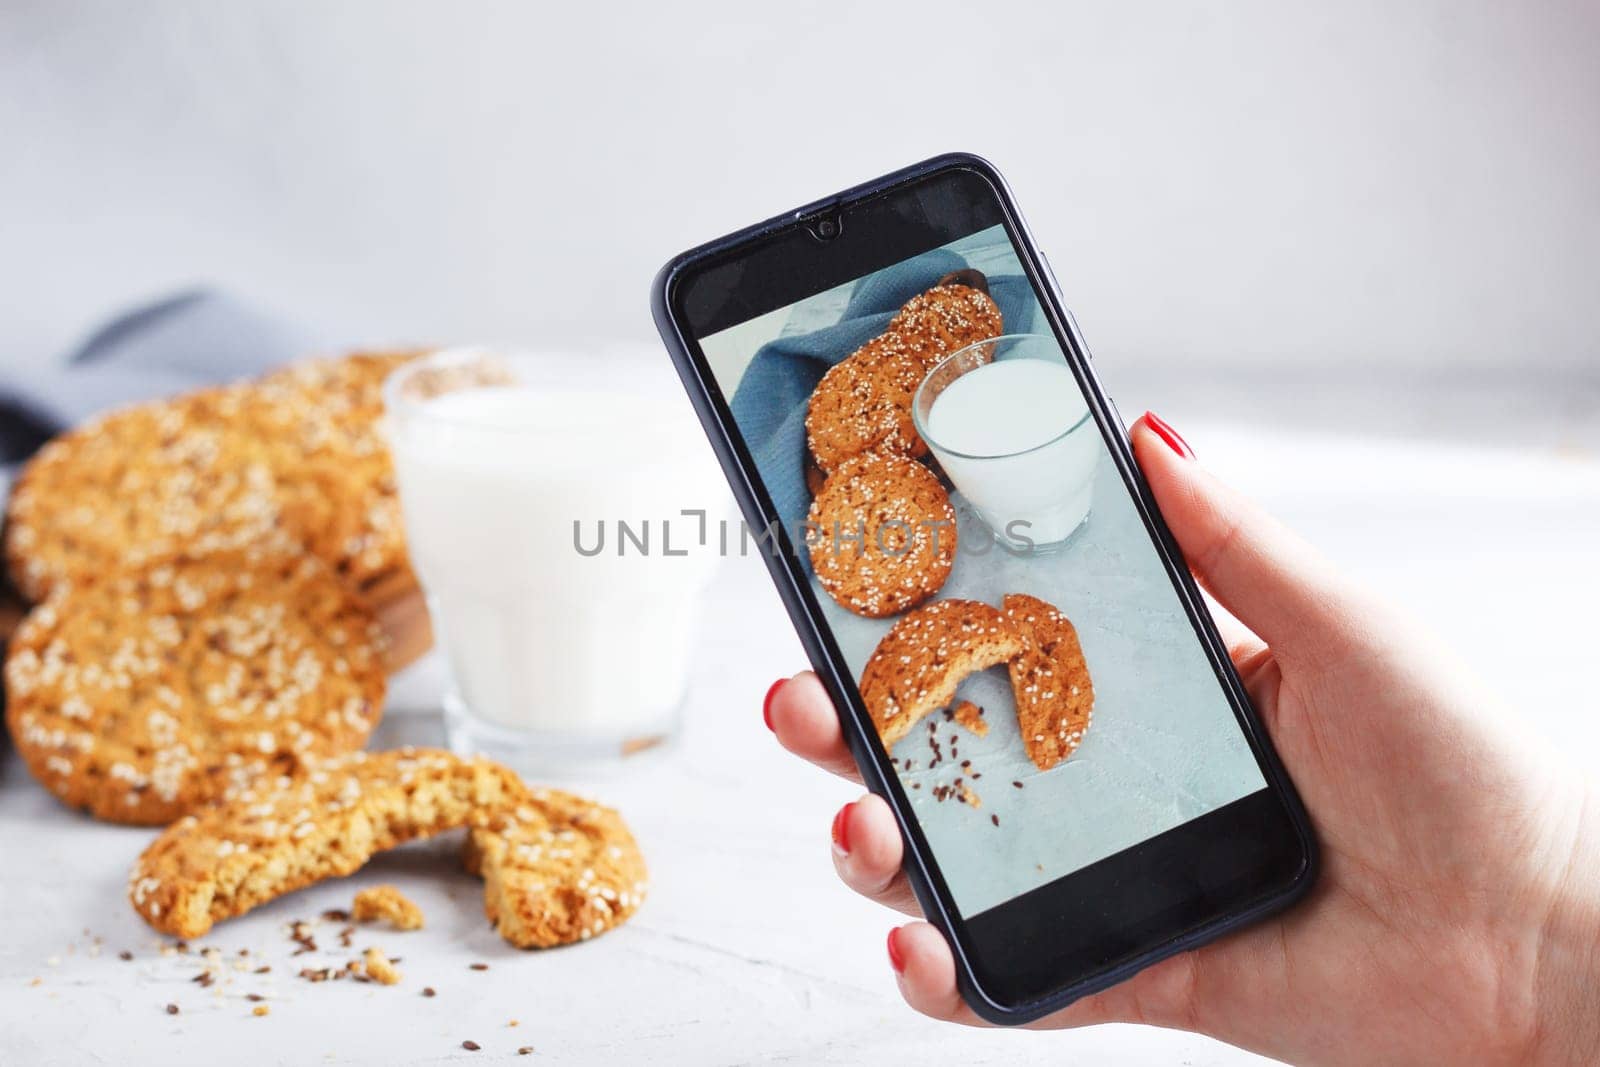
(928, 652)
(922, 659)
(1050, 679)
(557, 868)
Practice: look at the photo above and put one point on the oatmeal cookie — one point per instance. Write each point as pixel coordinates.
(1055, 697)
(916, 667)
(943, 320)
(556, 868)
(151, 691)
(563, 869)
(294, 458)
(137, 484)
(863, 404)
(332, 469)
(883, 535)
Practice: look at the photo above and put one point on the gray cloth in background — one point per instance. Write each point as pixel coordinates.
(180, 342)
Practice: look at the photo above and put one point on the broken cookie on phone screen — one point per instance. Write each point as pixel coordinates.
(922, 659)
(1050, 680)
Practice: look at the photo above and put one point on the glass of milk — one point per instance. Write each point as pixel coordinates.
(1011, 428)
(561, 511)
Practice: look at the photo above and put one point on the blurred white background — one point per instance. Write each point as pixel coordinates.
(1302, 192)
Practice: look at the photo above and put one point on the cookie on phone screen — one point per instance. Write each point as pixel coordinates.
(864, 405)
(1050, 679)
(922, 659)
(943, 320)
(883, 535)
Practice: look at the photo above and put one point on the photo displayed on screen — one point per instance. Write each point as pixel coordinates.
(1025, 659)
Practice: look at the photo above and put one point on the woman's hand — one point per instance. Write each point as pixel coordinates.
(1457, 918)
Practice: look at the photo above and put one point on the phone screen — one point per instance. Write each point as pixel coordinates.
(982, 567)
(923, 440)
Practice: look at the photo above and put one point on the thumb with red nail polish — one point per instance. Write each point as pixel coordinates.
(1170, 437)
(766, 702)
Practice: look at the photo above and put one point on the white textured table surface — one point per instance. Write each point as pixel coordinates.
(748, 950)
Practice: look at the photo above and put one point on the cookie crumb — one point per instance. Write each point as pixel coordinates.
(525, 1050)
(514, 1022)
(429, 991)
(259, 1009)
(124, 955)
(970, 716)
(379, 967)
(172, 1009)
(339, 915)
(479, 966)
(386, 902)
(471, 1046)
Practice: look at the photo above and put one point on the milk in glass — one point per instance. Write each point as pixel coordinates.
(1015, 438)
(565, 634)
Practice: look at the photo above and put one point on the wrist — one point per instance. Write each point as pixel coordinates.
(1567, 987)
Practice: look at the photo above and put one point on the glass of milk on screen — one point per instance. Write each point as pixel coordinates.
(1010, 426)
(561, 511)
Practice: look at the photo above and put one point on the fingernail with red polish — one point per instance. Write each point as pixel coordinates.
(841, 830)
(766, 704)
(1172, 437)
(896, 960)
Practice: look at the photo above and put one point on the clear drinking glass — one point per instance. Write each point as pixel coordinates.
(1010, 426)
(551, 506)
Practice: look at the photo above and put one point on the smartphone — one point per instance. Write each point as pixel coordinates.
(1022, 664)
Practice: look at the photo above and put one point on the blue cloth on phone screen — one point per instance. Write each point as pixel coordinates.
(770, 402)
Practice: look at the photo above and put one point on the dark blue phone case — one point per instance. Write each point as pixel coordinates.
(791, 579)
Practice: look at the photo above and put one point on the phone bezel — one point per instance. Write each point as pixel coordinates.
(980, 985)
